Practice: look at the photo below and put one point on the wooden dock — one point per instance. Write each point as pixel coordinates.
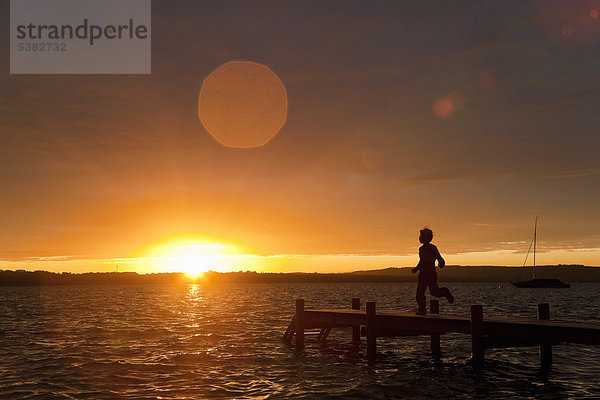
(486, 333)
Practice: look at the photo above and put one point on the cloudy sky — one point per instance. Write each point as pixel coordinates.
(471, 117)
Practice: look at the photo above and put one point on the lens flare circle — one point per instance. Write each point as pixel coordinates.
(243, 104)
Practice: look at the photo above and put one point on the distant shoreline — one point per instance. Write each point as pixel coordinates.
(567, 273)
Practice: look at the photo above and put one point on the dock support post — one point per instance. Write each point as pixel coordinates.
(356, 328)
(543, 312)
(299, 324)
(434, 308)
(477, 345)
(371, 331)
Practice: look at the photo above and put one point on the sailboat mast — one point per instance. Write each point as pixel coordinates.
(534, 243)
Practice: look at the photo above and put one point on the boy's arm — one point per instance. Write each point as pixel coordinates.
(441, 261)
(418, 267)
(415, 269)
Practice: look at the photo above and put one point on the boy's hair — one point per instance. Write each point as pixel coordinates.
(426, 235)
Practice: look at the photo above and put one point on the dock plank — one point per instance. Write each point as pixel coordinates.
(517, 328)
(485, 331)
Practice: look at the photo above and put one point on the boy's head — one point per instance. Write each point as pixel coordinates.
(426, 235)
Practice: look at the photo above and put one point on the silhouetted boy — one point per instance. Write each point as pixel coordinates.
(428, 253)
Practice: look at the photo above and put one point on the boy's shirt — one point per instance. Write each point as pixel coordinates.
(428, 253)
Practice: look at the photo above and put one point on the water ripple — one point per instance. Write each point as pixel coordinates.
(196, 342)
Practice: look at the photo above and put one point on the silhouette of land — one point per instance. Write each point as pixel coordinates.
(567, 273)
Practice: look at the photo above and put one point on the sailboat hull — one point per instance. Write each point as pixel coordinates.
(542, 283)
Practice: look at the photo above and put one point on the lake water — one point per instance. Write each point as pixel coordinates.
(224, 341)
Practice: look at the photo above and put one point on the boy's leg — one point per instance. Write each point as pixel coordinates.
(437, 291)
(421, 287)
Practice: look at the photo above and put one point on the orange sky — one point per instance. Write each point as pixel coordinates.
(472, 121)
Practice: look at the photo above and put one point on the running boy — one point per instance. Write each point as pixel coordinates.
(428, 253)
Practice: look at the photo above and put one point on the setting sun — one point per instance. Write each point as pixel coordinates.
(194, 259)
(195, 255)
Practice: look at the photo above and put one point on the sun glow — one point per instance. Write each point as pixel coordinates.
(195, 256)
(194, 259)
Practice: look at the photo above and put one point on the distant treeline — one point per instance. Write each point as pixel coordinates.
(574, 273)
(45, 278)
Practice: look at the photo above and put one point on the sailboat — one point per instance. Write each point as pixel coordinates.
(537, 282)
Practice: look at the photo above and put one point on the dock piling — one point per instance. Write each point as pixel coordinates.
(543, 312)
(436, 352)
(356, 328)
(477, 343)
(290, 331)
(371, 330)
(299, 324)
